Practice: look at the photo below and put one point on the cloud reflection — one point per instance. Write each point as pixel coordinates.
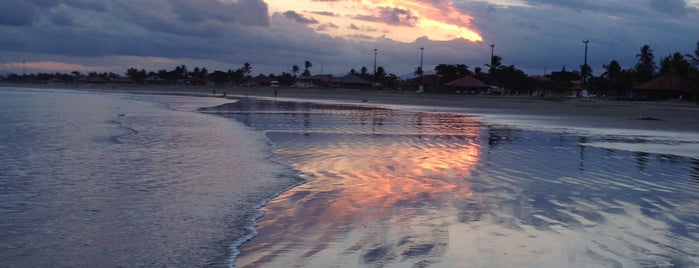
(387, 186)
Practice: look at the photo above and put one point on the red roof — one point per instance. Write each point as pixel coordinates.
(664, 82)
(467, 81)
(262, 79)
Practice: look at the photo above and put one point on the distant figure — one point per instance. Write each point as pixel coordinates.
(275, 92)
(224, 94)
(213, 92)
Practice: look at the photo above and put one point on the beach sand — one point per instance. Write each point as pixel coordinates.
(667, 115)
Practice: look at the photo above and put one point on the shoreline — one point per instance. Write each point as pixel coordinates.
(668, 115)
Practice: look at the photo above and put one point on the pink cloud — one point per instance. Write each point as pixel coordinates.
(51, 66)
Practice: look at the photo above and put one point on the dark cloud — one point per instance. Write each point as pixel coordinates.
(44, 3)
(231, 32)
(363, 28)
(326, 26)
(325, 13)
(672, 7)
(241, 12)
(17, 12)
(94, 5)
(528, 25)
(62, 19)
(392, 16)
(292, 15)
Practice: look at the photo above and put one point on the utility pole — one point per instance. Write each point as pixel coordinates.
(584, 69)
(375, 52)
(422, 53)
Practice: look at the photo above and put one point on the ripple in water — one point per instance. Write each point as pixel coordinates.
(399, 188)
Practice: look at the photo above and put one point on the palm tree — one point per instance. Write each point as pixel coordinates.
(308, 65)
(646, 64)
(675, 64)
(613, 70)
(694, 58)
(295, 69)
(247, 69)
(418, 71)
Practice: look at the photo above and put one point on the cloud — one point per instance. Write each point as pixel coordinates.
(241, 12)
(362, 28)
(390, 15)
(17, 12)
(326, 26)
(672, 7)
(325, 13)
(299, 18)
(51, 66)
(94, 5)
(534, 35)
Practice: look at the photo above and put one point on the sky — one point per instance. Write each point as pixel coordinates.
(537, 36)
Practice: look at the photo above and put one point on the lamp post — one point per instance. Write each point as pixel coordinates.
(375, 52)
(584, 69)
(422, 52)
(492, 55)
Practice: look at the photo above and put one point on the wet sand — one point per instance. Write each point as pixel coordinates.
(668, 115)
(403, 188)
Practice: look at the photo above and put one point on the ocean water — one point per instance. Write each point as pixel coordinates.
(398, 188)
(93, 179)
(113, 180)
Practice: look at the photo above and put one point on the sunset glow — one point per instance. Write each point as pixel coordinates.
(49, 66)
(402, 21)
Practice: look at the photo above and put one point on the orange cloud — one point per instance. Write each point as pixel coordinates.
(402, 21)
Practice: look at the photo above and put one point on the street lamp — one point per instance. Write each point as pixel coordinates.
(422, 53)
(492, 55)
(375, 52)
(584, 69)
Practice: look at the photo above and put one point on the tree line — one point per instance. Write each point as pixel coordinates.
(614, 79)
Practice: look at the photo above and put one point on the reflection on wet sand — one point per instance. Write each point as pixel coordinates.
(396, 188)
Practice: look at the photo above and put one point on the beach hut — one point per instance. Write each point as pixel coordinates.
(466, 84)
(196, 81)
(260, 81)
(154, 80)
(351, 81)
(667, 86)
(303, 82)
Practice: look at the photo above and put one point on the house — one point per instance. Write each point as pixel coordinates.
(428, 82)
(323, 80)
(125, 81)
(668, 86)
(303, 82)
(260, 81)
(466, 84)
(154, 80)
(350, 81)
(196, 81)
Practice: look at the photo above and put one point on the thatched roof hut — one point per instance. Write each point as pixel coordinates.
(351, 81)
(662, 87)
(466, 83)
